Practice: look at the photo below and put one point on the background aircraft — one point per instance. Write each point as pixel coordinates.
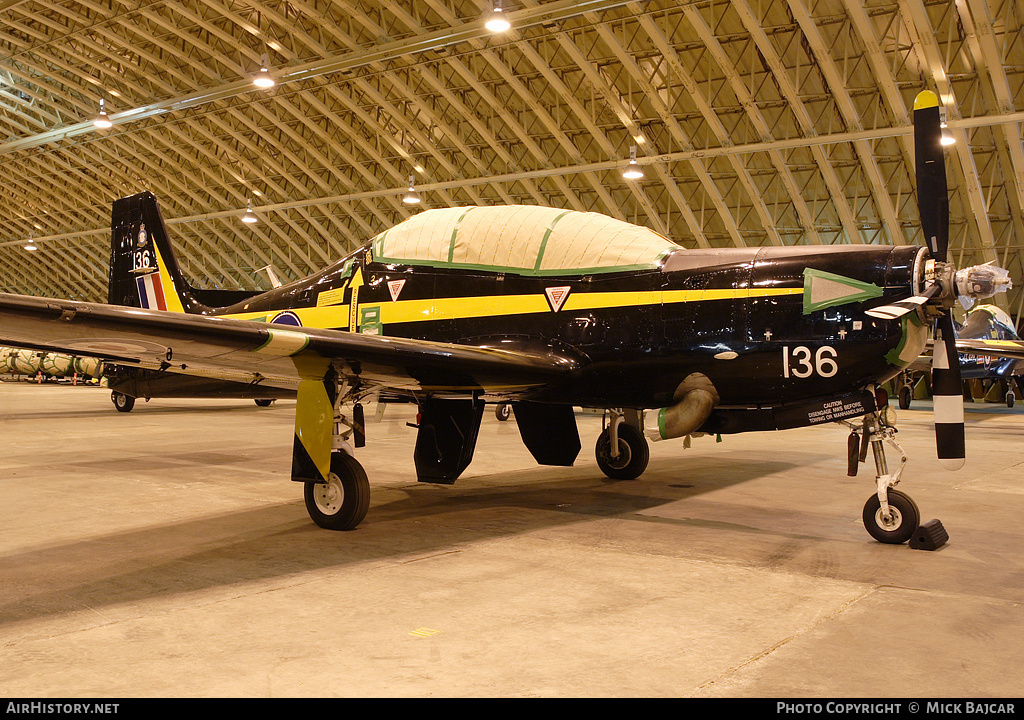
(127, 383)
(989, 350)
(130, 382)
(545, 309)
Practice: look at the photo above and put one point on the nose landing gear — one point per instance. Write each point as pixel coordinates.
(889, 516)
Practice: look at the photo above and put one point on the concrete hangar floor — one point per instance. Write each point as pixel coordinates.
(165, 553)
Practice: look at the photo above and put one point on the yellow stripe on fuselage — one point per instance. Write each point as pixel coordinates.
(332, 316)
(407, 311)
(401, 311)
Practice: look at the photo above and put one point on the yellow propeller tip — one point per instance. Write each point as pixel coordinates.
(926, 99)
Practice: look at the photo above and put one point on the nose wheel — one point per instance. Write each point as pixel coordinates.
(896, 523)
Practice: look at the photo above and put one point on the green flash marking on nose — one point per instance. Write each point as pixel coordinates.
(824, 289)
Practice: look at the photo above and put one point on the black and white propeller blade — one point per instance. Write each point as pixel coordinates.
(933, 204)
(947, 394)
(893, 310)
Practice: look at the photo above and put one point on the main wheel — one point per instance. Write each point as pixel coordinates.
(503, 411)
(341, 502)
(906, 394)
(123, 403)
(633, 453)
(1009, 398)
(264, 402)
(903, 520)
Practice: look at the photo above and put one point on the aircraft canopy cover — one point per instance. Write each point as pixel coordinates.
(522, 239)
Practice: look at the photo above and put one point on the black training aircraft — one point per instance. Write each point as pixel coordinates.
(545, 309)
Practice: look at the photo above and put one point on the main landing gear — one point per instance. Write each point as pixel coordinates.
(889, 516)
(622, 451)
(123, 403)
(341, 499)
(341, 502)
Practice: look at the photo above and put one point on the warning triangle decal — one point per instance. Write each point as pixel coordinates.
(395, 286)
(557, 296)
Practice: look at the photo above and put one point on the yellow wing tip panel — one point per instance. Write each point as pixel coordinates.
(283, 342)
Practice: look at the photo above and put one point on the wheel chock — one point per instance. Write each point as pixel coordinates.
(929, 536)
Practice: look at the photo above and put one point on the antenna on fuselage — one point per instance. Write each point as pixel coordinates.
(269, 270)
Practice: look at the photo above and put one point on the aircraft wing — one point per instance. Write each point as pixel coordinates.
(1001, 349)
(269, 354)
(992, 348)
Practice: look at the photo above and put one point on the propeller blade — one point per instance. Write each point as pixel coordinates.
(948, 395)
(933, 204)
(897, 309)
(932, 199)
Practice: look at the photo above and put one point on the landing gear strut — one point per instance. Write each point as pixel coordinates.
(889, 516)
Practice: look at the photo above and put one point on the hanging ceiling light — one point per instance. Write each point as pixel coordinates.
(632, 171)
(262, 79)
(410, 197)
(947, 136)
(102, 121)
(249, 218)
(496, 20)
(30, 246)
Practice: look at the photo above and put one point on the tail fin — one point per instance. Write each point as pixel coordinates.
(143, 269)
